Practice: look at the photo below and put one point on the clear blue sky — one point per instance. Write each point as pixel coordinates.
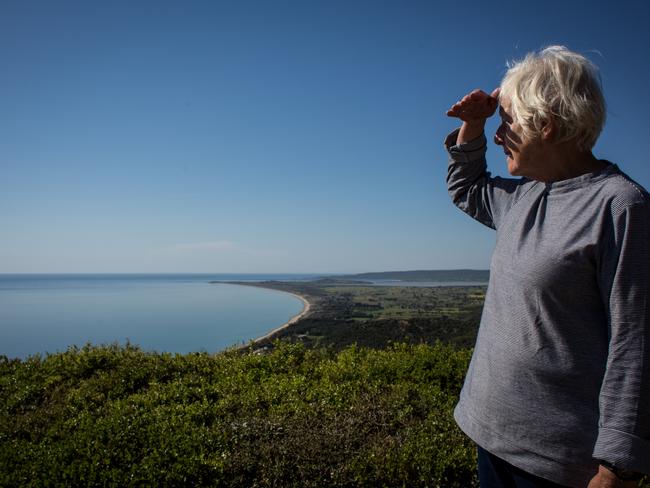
(259, 136)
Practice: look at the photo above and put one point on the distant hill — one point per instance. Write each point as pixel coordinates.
(435, 275)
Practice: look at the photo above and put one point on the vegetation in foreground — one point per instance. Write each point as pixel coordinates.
(118, 416)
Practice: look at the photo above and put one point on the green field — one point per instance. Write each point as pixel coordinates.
(378, 316)
(409, 302)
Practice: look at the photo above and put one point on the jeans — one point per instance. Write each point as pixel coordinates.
(494, 472)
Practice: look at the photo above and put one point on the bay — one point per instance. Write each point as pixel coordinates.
(176, 313)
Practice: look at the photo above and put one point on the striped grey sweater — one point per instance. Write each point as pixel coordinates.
(560, 374)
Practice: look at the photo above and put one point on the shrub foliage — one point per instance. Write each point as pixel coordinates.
(119, 416)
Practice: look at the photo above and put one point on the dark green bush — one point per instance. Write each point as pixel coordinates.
(118, 416)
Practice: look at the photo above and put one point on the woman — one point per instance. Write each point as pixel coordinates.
(558, 389)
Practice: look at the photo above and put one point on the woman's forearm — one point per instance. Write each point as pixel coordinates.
(470, 131)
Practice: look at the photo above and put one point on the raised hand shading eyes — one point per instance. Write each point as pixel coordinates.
(476, 106)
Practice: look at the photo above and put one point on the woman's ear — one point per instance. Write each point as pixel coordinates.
(549, 130)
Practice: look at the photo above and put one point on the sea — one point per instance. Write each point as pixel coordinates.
(176, 313)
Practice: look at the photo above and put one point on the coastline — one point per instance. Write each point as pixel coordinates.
(306, 308)
(342, 314)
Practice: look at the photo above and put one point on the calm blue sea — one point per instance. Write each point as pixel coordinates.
(162, 312)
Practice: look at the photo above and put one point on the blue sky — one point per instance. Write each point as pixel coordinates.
(255, 136)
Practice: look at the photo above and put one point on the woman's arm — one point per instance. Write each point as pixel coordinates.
(624, 280)
(474, 109)
(470, 185)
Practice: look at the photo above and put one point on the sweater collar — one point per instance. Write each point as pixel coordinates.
(582, 180)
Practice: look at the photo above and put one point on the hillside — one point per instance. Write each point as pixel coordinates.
(439, 275)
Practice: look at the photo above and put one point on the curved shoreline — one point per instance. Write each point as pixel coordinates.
(291, 321)
(306, 307)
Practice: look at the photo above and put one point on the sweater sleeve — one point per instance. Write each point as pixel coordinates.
(624, 426)
(471, 186)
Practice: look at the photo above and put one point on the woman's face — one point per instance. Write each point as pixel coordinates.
(522, 154)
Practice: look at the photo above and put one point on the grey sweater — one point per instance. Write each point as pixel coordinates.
(560, 374)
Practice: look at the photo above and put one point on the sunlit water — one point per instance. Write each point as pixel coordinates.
(172, 313)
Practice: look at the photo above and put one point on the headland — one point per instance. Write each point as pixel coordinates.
(338, 313)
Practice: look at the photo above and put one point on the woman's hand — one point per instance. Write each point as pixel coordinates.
(476, 106)
(474, 109)
(606, 479)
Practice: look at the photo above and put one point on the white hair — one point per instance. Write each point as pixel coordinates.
(559, 85)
